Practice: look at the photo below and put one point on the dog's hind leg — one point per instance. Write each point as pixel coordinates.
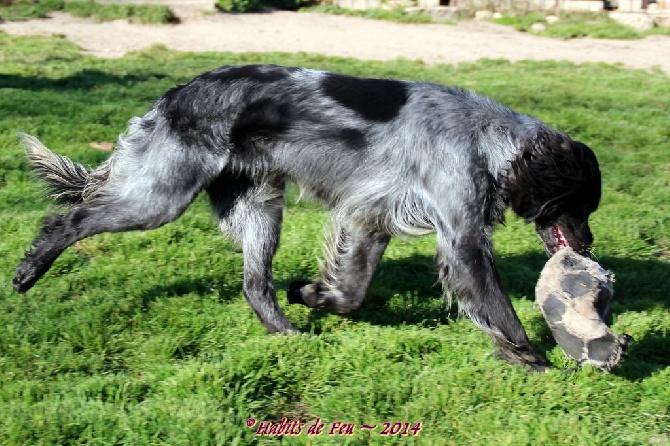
(150, 180)
(466, 267)
(105, 215)
(351, 260)
(251, 213)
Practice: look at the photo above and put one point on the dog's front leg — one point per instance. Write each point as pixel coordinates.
(351, 261)
(466, 267)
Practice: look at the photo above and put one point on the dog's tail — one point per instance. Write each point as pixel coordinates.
(67, 182)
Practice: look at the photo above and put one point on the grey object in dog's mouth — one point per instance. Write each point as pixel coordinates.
(574, 294)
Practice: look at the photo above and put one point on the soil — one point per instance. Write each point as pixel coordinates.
(346, 37)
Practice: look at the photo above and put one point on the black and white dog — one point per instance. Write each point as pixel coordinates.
(387, 157)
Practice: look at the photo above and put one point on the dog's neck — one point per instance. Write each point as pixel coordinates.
(509, 163)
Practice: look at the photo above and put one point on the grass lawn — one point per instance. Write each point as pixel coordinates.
(393, 15)
(145, 337)
(576, 25)
(35, 9)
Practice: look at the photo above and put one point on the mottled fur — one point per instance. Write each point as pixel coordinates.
(387, 157)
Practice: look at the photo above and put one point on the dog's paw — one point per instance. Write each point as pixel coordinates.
(26, 276)
(527, 358)
(295, 294)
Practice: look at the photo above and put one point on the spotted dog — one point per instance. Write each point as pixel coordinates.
(387, 157)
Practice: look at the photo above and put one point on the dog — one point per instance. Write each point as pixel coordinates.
(387, 157)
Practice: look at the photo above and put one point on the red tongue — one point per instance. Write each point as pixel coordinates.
(560, 238)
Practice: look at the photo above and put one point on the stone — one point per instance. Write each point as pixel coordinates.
(483, 15)
(638, 21)
(538, 27)
(551, 19)
(437, 13)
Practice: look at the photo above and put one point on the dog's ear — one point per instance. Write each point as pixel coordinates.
(532, 180)
(538, 144)
(590, 192)
(549, 171)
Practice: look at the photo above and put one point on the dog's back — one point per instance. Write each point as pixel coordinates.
(361, 146)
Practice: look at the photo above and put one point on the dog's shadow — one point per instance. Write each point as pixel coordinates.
(86, 79)
(641, 285)
(405, 292)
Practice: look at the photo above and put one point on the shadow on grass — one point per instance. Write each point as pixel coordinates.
(641, 285)
(405, 292)
(86, 79)
(184, 287)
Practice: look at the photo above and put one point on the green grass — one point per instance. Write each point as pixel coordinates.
(575, 25)
(393, 15)
(522, 22)
(145, 338)
(28, 9)
(571, 25)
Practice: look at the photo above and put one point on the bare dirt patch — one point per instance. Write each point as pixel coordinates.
(345, 37)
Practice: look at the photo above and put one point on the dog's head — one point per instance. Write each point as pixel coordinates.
(555, 183)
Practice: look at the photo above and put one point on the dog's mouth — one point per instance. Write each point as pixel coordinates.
(554, 239)
(561, 242)
(558, 236)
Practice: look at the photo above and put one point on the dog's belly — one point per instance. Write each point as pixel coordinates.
(390, 208)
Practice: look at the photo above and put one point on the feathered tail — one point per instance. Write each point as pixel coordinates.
(67, 182)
